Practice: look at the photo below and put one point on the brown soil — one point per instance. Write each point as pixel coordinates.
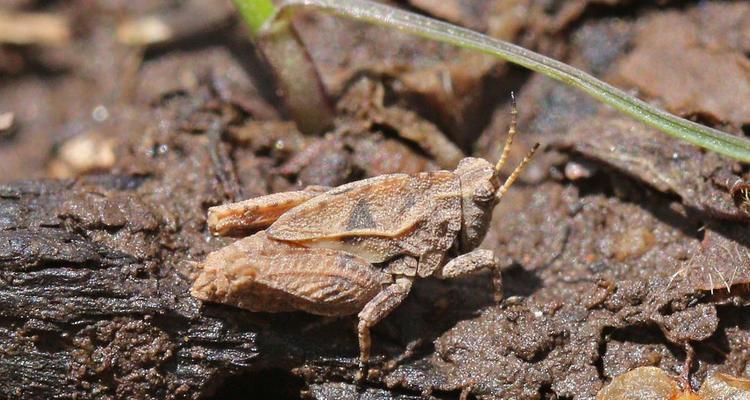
(622, 247)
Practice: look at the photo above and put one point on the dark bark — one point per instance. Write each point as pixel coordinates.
(80, 318)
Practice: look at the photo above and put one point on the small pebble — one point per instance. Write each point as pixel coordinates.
(633, 243)
(7, 121)
(576, 171)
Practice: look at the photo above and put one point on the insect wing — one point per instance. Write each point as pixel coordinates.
(256, 213)
(376, 211)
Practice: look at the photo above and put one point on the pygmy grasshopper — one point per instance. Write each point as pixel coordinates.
(355, 248)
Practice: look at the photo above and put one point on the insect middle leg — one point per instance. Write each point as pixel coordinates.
(378, 308)
(472, 262)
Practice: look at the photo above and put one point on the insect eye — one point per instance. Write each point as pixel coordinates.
(484, 194)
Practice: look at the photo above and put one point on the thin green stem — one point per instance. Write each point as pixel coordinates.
(286, 55)
(255, 13)
(363, 10)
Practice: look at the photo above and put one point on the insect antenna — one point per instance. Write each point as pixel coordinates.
(516, 173)
(506, 151)
(511, 133)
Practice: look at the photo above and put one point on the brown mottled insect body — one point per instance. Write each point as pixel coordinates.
(356, 248)
(261, 274)
(379, 218)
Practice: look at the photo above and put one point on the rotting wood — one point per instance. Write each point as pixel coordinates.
(81, 319)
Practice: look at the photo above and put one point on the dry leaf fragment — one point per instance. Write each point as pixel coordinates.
(644, 383)
(725, 387)
(34, 28)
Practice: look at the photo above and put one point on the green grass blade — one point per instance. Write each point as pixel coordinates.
(255, 13)
(363, 10)
(296, 76)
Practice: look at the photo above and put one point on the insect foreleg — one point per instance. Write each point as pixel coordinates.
(472, 262)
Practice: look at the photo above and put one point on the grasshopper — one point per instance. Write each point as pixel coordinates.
(356, 248)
